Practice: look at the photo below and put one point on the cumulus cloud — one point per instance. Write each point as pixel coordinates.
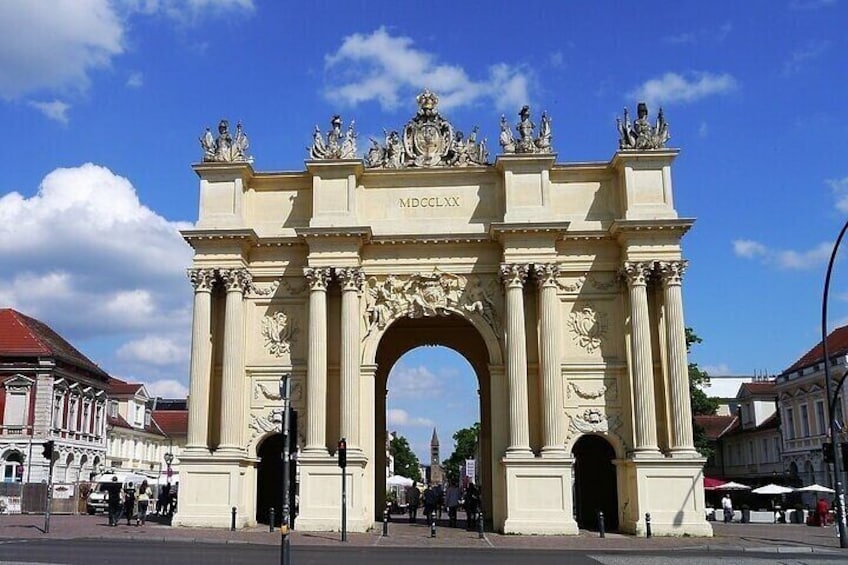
(674, 88)
(799, 58)
(88, 258)
(811, 4)
(783, 258)
(390, 69)
(414, 382)
(840, 192)
(55, 110)
(166, 388)
(399, 417)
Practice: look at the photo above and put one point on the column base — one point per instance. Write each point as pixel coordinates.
(648, 453)
(518, 453)
(554, 452)
(538, 496)
(685, 453)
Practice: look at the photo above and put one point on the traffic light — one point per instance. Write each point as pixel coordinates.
(342, 453)
(47, 451)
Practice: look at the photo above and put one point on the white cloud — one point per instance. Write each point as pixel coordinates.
(398, 417)
(135, 80)
(413, 382)
(86, 257)
(680, 38)
(719, 369)
(390, 69)
(55, 110)
(840, 192)
(784, 258)
(800, 57)
(675, 88)
(718, 34)
(155, 350)
(166, 388)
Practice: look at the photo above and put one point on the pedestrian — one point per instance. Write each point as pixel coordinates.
(162, 500)
(431, 499)
(144, 494)
(472, 505)
(452, 502)
(113, 497)
(413, 497)
(440, 499)
(822, 510)
(129, 501)
(727, 508)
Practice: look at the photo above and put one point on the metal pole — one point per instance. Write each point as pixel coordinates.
(480, 525)
(49, 495)
(834, 439)
(271, 519)
(386, 522)
(285, 516)
(344, 506)
(432, 523)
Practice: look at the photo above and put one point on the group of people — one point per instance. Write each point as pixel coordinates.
(133, 501)
(818, 518)
(435, 499)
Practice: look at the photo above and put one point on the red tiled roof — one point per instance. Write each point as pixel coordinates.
(837, 344)
(117, 386)
(172, 422)
(760, 388)
(22, 336)
(119, 422)
(715, 426)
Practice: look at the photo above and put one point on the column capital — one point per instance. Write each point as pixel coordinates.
(236, 280)
(351, 278)
(637, 272)
(671, 272)
(201, 279)
(318, 277)
(513, 274)
(546, 274)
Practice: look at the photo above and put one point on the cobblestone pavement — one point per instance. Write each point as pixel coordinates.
(769, 537)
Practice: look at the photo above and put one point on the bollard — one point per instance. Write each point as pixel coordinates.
(480, 525)
(432, 524)
(233, 520)
(271, 520)
(601, 524)
(648, 524)
(386, 522)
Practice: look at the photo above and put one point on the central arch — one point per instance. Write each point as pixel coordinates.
(454, 332)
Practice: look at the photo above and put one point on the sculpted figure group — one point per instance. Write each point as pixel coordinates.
(429, 140)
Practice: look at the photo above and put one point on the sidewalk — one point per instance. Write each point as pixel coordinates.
(748, 537)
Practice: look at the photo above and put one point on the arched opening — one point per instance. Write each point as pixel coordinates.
(13, 467)
(269, 478)
(595, 485)
(458, 341)
(69, 470)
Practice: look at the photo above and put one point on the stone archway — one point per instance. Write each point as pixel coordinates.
(595, 484)
(269, 483)
(458, 334)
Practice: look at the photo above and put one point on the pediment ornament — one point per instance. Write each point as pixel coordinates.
(278, 332)
(588, 327)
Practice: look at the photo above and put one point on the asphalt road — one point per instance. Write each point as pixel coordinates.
(96, 552)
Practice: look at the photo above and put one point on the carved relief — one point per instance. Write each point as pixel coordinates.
(254, 290)
(351, 278)
(272, 392)
(525, 142)
(271, 421)
(573, 285)
(671, 272)
(425, 295)
(592, 420)
(641, 134)
(587, 393)
(588, 327)
(317, 278)
(236, 279)
(201, 279)
(514, 274)
(278, 332)
(637, 273)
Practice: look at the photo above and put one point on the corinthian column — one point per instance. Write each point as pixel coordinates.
(549, 367)
(351, 280)
(644, 407)
(513, 277)
(682, 442)
(201, 360)
(316, 364)
(235, 281)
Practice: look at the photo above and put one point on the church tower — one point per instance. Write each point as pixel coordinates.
(434, 450)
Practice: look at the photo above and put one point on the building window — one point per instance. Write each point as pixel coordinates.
(13, 468)
(790, 424)
(16, 408)
(765, 450)
(72, 411)
(805, 421)
(777, 449)
(820, 421)
(751, 459)
(57, 411)
(113, 409)
(147, 417)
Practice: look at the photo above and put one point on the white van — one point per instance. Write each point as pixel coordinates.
(96, 501)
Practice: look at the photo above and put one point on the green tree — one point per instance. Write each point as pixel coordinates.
(465, 448)
(702, 404)
(406, 462)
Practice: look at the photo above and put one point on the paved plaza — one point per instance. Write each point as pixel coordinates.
(729, 537)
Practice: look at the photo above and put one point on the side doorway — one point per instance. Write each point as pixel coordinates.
(595, 484)
(269, 476)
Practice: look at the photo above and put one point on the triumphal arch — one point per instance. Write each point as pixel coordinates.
(559, 282)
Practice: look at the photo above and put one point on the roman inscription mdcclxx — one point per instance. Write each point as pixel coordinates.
(429, 202)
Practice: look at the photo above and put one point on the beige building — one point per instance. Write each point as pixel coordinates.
(559, 282)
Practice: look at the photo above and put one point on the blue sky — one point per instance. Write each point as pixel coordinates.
(102, 103)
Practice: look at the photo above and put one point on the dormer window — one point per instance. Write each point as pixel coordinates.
(113, 408)
(147, 417)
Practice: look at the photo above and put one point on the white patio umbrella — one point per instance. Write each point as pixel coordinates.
(815, 488)
(397, 480)
(772, 488)
(733, 486)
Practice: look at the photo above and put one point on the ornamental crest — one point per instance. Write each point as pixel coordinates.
(588, 327)
(337, 145)
(424, 295)
(526, 143)
(427, 140)
(225, 148)
(278, 333)
(640, 134)
(272, 421)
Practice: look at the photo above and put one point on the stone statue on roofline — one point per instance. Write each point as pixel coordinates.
(526, 143)
(641, 135)
(225, 148)
(338, 145)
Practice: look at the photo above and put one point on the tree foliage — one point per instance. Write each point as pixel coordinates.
(466, 448)
(406, 462)
(702, 404)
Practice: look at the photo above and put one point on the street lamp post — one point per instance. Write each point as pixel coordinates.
(285, 520)
(169, 458)
(832, 395)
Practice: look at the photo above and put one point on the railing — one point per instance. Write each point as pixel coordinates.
(16, 430)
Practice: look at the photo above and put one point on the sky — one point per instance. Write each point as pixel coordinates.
(103, 101)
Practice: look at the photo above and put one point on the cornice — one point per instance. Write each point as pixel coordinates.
(680, 225)
(237, 168)
(622, 157)
(499, 229)
(245, 234)
(360, 232)
(430, 238)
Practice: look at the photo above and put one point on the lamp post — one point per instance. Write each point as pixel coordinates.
(169, 458)
(837, 460)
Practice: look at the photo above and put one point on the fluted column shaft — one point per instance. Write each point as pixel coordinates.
(316, 363)
(201, 360)
(553, 436)
(681, 405)
(351, 280)
(644, 403)
(513, 277)
(235, 282)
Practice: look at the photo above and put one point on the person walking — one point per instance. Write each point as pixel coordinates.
(113, 497)
(413, 497)
(472, 506)
(431, 499)
(144, 494)
(452, 502)
(727, 508)
(822, 510)
(129, 501)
